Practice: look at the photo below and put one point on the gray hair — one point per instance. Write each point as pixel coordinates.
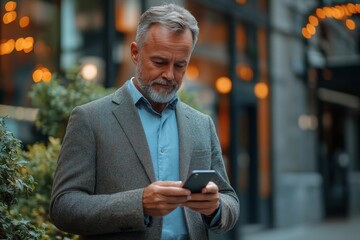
(174, 17)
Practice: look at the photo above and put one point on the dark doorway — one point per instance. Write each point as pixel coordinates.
(334, 159)
(248, 165)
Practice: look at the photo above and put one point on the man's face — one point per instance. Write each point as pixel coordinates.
(161, 63)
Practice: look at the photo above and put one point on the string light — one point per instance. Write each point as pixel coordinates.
(350, 24)
(338, 12)
(41, 73)
(10, 6)
(21, 44)
(24, 22)
(9, 17)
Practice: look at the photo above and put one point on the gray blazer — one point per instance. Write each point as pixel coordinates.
(105, 164)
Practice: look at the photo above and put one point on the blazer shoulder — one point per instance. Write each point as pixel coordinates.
(107, 101)
(100, 102)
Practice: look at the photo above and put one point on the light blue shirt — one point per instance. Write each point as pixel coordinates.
(162, 136)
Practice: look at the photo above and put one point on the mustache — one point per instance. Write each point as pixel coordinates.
(164, 82)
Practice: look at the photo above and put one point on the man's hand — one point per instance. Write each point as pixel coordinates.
(206, 202)
(160, 198)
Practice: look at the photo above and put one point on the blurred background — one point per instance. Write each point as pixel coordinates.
(281, 79)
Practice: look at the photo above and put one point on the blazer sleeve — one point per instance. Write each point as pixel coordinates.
(230, 206)
(74, 206)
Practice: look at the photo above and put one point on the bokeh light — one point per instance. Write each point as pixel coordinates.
(9, 17)
(41, 73)
(24, 22)
(10, 6)
(223, 85)
(89, 71)
(244, 72)
(192, 72)
(261, 90)
(350, 24)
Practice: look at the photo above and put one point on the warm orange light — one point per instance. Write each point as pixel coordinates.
(9, 17)
(46, 76)
(19, 45)
(192, 72)
(311, 29)
(313, 20)
(346, 10)
(37, 75)
(126, 16)
(24, 22)
(305, 33)
(241, 1)
(351, 7)
(42, 74)
(244, 72)
(320, 13)
(223, 85)
(10, 6)
(27, 50)
(350, 24)
(261, 90)
(328, 12)
(28, 43)
(338, 13)
(357, 8)
(7, 47)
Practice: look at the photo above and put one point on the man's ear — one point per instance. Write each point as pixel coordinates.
(134, 52)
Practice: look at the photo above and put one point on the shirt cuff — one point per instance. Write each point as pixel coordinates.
(214, 218)
(147, 221)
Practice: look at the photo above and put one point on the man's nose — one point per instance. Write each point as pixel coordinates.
(168, 72)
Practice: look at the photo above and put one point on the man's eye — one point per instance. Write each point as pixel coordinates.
(159, 63)
(180, 65)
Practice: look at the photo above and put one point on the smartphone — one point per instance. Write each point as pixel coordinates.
(198, 179)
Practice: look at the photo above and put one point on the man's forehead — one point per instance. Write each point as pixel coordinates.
(158, 32)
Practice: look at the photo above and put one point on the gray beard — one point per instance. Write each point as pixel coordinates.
(155, 96)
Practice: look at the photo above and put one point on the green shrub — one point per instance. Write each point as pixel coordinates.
(15, 182)
(56, 99)
(42, 159)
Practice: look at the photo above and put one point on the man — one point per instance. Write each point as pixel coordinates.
(124, 157)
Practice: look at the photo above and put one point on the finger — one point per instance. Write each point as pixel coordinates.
(211, 187)
(168, 183)
(169, 189)
(203, 197)
(201, 203)
(174, 200)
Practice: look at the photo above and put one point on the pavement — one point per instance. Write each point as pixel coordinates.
(335, 229)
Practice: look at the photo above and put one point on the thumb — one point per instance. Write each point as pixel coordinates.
(168, 183)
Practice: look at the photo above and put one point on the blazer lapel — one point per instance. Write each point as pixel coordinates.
(129, 120)
(184, 140)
